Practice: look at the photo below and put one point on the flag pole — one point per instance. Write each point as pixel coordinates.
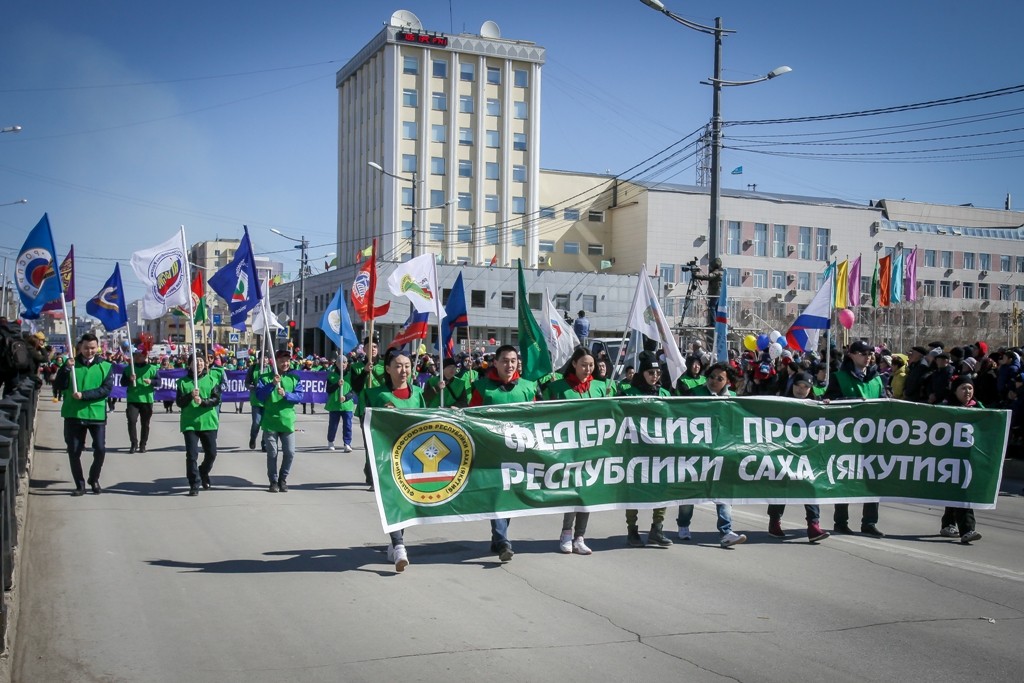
(71, 346)
(629, 318)
(191, 308)
(440, 355)
(131, 354)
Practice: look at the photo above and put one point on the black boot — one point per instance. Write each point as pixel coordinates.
(656, 537)
(633, 538)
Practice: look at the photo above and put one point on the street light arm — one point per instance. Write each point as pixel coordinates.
(377, 167)
(774, 73)
(659, 6)
(287, 237)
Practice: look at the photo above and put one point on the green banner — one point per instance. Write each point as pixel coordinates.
(435, 466)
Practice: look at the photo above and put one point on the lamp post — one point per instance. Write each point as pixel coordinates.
(412, 207)
(303, 245)
(10, 129)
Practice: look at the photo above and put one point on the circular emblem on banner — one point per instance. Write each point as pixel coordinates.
(430, 462)
(34, 266)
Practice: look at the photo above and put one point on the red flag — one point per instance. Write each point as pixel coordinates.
(415, 329)
(494, 260)
(884, 280)
(364, 289)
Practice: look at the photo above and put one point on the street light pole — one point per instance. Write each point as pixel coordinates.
(303, 245)
(716, 147)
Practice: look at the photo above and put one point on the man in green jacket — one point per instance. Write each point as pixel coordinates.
(200, 420)
(141, 390)
(85, 409)
(279, 391)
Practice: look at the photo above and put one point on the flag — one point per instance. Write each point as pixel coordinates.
(336, 324)
(737, 171)
(605, 264)
(161, 270)
(874, 284)
(721, 341)
(109, 305)
(897, 278)
(559, 335)
(416, 280)
(67, 281)
(853, 284)
(35, 272)
(910, 275)
(803, 334)
(842, 283)
(533, 348)
(364, 289)
(494, 260)
(885, 280)
(647, 318)
(364, 253)
(413, 329)
(238, 284)
(333, 263)
(198, 299)
(456, 315)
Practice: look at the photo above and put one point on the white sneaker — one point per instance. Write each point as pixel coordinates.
(949, 532)
(970, 536)
(401, 558)
(346, 448)
(565, 541)
(684, 533)
(330, 446)
(732, 538)
(579, 547)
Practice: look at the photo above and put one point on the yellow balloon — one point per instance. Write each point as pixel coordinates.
(423, 349)
(750, 342)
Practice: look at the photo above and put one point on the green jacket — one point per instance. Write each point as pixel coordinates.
(202, 417)
(142, 391)
(562, 390)
(455, 395)
(630, 390)
(94, 383)
(340, 397)
(687, 383)
(489, 390)
(380, 399)
(278, 411)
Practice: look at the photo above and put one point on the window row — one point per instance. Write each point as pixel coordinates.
(972, 290)
(439, 133)
(467, 71)
(439, 102)
(774, 241)
(972, 261)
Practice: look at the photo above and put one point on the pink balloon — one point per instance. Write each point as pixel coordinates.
(846, 318)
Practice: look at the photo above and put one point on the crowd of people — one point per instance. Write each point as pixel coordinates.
(971, 376)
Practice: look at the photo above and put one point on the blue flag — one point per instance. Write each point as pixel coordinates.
(738, 170)
(35, 271)
(238, 284)
(337, 325)
(109, 306)
(456, 315)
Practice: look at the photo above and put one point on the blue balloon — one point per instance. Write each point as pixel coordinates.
(763, 341)
(784, 342)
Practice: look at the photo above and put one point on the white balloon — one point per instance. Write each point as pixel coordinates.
(775, 350)
(774, 335)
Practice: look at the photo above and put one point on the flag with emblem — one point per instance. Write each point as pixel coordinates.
(162, 270)
(364, 288)
(559, 335)
(337, 325)
(237, 283)
(109, 305)
(35, 270)
(67, 281)
(416, 280)
(646, 317)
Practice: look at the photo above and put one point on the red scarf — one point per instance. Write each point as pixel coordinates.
(581, 386)
(403, 393)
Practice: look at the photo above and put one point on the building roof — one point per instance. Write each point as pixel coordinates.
(748, 194)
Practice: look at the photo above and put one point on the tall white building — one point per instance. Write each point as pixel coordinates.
(457, 119)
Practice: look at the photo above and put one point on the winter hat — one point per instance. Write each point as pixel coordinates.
(648, 362)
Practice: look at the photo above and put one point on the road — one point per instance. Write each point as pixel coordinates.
(144, 584)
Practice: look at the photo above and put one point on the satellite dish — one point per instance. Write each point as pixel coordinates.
(403, 18)
(490, 30)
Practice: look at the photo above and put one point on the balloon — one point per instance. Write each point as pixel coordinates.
(783, 341)
(775, 350)
(846, 318)
(763, 341)
(750, 342)
(773, 336)
(423, 349)
(491, 341)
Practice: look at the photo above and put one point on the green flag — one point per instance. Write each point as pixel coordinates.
(874, 285)
(532, 347)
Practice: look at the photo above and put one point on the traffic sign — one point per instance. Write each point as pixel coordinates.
(233, 338)
(282, 333)
(217, 317)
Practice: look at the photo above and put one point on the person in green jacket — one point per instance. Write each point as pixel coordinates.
(199, 422)
(255, 405)
(340, 404)
(279, 391)
(692, 378)
(141, 389)
(85, 410)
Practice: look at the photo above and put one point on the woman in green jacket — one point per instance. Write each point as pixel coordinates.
(198, 401)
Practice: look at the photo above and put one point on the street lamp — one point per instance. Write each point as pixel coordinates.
(303, 245)
(17, 201)
(716, 111)
(415, 183)
(10, 129)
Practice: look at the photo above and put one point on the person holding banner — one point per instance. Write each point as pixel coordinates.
(340, 404)
(198, 397)
(85, 409)
(503, 384)
(958, 522)
(139, 400)
(446, 383)
(577, 383)
(693, 377)
(279, 392)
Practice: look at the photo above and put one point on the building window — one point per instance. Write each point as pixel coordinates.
(929, 288)
(406, 230)
(407, 194)
(803, 247)
(491, 203)
(466, 201)
(1020, 292)
(571, 214)
(465, 136)
(1004, 263)
(519, 175)
(546, 246)
(968, 291)
(491, 235)
(409, 130)
(440, 68)
(778, 279)
(478, 298)
(1004, 292)
(518, 237)
(945, 289)
(410, 65)
(984, 292)
(493, 107)
(779, 241)
(946, 259)
(570, 247)
(760, 239)
(439, 101)
(985, 261)
(519, 110)
(595, 249)
(492, 170)
(437, 165)
(437, 232)
(929, 258)
(760, 279)
(519, 205)
(493, 138)
(1020, 264)
(547, 212)
(732, 238)
(821, 244)
(520, 78)
(465, 168)
(508, 300)
(467, 71)
(667, 272)
(409, 98)
(732, 277)
(437, 198)
(464, 233)
(438, 133)
(588, 302)
(968, 260)
(519, 141)
(803, 282)
(466, 104)
(494, 75)
(408, 163)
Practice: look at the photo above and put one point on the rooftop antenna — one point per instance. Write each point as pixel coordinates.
(490, 30)
(403, 18)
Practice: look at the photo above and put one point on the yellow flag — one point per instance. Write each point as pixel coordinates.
(842, 280)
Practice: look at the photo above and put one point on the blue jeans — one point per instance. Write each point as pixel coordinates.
(345, 417)
(724, 517)
(499, 534)
(288, 446)
(257, 417)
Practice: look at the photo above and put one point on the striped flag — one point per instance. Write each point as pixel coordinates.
(816, 317)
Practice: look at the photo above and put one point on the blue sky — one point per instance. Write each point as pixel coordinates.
(140, 117)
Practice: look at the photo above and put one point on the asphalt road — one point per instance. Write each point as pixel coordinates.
(145, 584)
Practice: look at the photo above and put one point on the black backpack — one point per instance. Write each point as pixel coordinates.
(15, 355)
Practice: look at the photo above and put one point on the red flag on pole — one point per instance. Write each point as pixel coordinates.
(364, 289)
(884, 280)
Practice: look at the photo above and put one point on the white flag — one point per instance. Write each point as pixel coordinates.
(416, 280)
(258, 326)
(561, 338)
(647, 317)
(164, 271)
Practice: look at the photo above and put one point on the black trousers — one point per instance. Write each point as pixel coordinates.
(193, 470)
(134, 412)
(75, 432)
